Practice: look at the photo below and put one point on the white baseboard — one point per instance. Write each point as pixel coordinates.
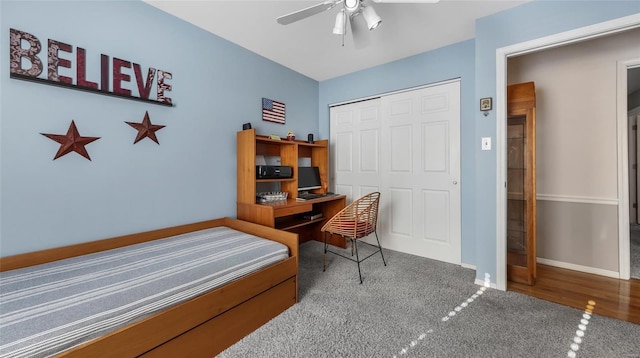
(483, 283)
(574, 267)
(478, 281)
(468, 266)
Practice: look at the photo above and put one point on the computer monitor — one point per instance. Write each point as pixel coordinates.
(308, 178)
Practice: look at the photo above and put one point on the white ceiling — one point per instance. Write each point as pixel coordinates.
(309, 46)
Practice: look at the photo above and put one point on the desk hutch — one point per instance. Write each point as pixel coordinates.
(287, 214)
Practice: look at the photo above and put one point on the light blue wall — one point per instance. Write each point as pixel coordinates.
(523, 23)
(127, 188)
(455, 61)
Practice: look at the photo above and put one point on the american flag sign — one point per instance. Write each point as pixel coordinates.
(273, 111)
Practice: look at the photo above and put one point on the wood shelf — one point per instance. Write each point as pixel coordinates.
(289, 223)
(273, 180)
(266, 139)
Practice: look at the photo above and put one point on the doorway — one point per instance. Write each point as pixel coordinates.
(616, 298)
(632, 70)
(608, 203)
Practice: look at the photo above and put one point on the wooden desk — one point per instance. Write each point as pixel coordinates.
(289, 216)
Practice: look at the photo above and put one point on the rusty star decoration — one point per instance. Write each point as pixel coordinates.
(146, 129)
(71, 142)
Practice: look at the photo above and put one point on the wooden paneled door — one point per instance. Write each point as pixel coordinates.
(521, 183)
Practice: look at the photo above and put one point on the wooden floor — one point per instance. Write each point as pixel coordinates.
(613, 298)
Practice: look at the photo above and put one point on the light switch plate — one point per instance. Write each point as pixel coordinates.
(486, 143)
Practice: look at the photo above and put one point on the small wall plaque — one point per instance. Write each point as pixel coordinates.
(486, 104)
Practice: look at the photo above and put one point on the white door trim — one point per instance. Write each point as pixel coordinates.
(457, 79)
(623, 168)
(502, 54)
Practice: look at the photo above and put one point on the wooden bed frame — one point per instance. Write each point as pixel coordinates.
(203, 326)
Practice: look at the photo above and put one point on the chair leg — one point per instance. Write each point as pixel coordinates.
(355, 243)
(380, 248)
(324, 256)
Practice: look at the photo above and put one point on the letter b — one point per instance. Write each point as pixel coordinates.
(17, 53)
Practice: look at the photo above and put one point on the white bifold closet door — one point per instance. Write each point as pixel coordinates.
(407, 146)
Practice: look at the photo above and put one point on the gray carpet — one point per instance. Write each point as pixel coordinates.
(417, 307)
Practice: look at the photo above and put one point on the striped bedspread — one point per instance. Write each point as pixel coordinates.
(49, 308)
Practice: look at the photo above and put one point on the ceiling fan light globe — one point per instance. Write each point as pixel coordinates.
(371, 17)
(340, 25)
(352, 5)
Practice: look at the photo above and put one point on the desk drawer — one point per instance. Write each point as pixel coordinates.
(291, 210)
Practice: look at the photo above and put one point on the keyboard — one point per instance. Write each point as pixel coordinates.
(310, 196)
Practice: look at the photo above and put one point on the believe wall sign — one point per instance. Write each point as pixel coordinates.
(25, 47)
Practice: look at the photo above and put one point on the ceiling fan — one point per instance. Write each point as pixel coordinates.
(351, 9)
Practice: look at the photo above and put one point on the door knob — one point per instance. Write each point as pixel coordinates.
(455, 182)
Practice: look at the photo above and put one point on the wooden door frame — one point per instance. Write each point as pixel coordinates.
(502, 55)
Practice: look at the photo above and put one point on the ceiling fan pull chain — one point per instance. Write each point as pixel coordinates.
(344, 26)
(343, 35)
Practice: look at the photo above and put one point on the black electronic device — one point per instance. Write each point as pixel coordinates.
(308, 178)
(273, 172)
(312, 215)
(309, 196)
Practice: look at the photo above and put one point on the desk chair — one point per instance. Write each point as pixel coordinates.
(354, 222)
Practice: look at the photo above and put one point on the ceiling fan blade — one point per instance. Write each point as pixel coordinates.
(359, 31)
(310, 11)
(406, 1)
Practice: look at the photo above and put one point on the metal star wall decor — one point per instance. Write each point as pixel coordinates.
(146, 129)
(71, 142)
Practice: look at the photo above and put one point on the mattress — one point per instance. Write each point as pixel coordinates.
(49, 308)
